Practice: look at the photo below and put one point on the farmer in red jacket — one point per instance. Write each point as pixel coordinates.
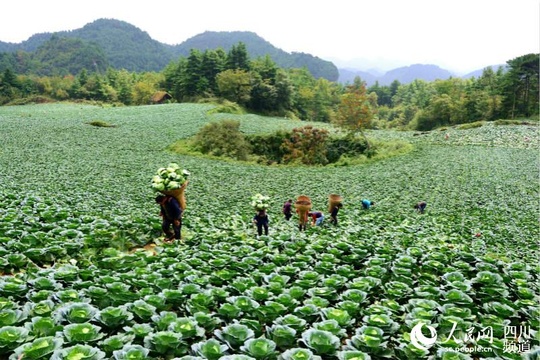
(317, 218)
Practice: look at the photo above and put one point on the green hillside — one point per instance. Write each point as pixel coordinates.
(127, 47)
(258, 47)
(76, 202)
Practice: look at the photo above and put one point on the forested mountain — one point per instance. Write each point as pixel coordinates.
(57, 56)
(125, 46)
(258, 47)
(128, 47)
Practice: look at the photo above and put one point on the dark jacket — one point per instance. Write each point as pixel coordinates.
(261, 219)
(421, 206)
(170, 208)
(287, 208)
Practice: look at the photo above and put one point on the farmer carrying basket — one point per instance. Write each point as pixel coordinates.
(303, 206)
(171, 182)
(335, 202)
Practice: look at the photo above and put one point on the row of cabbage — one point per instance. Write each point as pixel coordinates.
(328, 298)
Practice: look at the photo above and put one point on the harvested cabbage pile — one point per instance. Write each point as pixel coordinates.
(260, 202)
(170, 178)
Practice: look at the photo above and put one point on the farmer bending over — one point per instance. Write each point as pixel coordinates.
(317, 218)
(420, 207)
(366, 204)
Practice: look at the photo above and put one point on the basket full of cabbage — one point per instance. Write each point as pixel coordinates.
(260, 202)
(172, 180)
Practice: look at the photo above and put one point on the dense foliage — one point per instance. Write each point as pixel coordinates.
(260, 86)
(307, 145)
(493, 95)
(222, 139)
(76, 197)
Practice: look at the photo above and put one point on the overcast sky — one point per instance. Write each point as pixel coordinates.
(457, 35)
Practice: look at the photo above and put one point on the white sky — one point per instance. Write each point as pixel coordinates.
(457, 35)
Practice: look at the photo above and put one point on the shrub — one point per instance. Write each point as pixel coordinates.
(34, 99)
(306, 145)
(348, 146)
(269, 146)
(226, 107)
(423, 121)
(514, 122)
(472, 125)
(222, 139)
(100, 123)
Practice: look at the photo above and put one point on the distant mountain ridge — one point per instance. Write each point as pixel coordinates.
(407, 74)
(128, 47)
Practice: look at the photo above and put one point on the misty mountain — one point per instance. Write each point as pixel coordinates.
(407, 74)
(404, 75)
(478, 73)
(128, 47)
(348, 75)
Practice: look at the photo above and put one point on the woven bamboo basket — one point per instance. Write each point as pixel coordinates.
(302, 205)
(179, 195)
(333, 201)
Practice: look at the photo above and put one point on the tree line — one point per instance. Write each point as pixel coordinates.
(260, 86)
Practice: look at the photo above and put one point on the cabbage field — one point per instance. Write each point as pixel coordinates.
(460, 281)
